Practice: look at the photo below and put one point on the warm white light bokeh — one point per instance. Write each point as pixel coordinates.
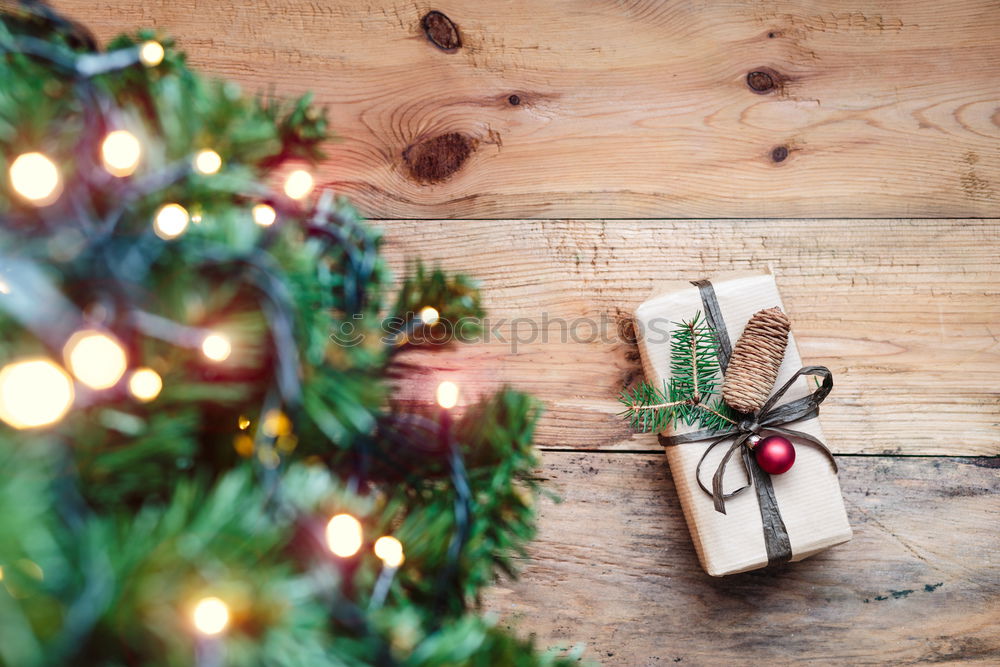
(216, 347)
(343, 535)
(389, 550)
(120, 152)
(36, 178)
(211, 616)
(151, 53)
(96, 359)
(145, 384)
(299, 184)
(207, 162)
(264, 215)
(429, 315)
(33, 393)
(170, 222)
(447, 394)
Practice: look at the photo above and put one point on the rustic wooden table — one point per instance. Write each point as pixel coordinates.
(853, 148)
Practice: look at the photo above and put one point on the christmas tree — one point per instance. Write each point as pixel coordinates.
(201, 461)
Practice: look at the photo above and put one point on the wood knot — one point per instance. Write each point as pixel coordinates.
(779, 153)
(757, 355)
(626, 331)
(441, 31)
(764, 80)
(436, 159)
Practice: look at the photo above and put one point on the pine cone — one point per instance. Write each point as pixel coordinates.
(753, 368)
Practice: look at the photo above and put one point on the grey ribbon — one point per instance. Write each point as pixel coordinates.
(769, 420)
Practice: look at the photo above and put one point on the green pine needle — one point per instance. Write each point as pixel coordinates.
(691, 397)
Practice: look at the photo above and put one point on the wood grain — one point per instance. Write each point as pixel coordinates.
(906, 315)
(624, 108)
(614, 567)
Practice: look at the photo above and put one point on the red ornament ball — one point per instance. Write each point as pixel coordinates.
(775, 454)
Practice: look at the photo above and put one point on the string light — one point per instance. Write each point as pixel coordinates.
(447, 394)
(299, 184)
(389, 550)
(276, 423)
(243, 422)
(264, 215)
(429, 315)
(268, 457)
(151, 53)
(34, 393)
(243, 444)
(35, 178)
(211, 616)
(96, 359)
(145, 384)
(207, 162)
(216, 347)
(343, 535)
(287, 443)
(170, 222)
(120, 152)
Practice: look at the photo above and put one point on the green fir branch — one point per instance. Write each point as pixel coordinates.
(694, 359)
(691, 396)
(118, 519)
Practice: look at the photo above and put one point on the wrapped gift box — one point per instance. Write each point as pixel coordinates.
(808, 496)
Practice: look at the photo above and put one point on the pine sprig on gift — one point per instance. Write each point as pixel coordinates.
(694, 359)
(691, 396)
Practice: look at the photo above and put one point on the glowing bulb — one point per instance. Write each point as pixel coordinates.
(145, 384)
(243, 422)
(390, 550)
(343, 535)
(121, 152)
(36, 178)
(275, 423)
(170, 221)
(216, 347)
(429, 315)
(447, 394)
(4, 287)
(34, 393)
(151, 53)
(207, 162)
(243, 444)
(264, 215)
(268, 457)
(298, 184)
(96, 359)
(211, 616)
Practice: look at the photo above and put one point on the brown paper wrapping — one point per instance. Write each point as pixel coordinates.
(808, 495)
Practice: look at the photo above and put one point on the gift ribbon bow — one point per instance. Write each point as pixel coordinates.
(769, 419)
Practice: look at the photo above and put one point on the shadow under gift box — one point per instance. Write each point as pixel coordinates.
(808, 496)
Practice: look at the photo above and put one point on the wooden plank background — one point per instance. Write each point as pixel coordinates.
(614, 568)
(576, 111)
(906, 314)
(625, 108)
